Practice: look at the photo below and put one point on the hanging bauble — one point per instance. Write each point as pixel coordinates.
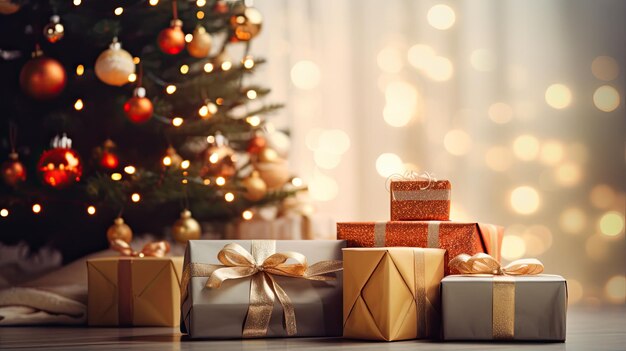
(268, 155)
(42, 77)
(106, 155)
(220, 7)
(119, 230)
(245, 24)
(186, 228)
(200, 45)
(171, 40)
(54, 30)
(7, 7)
(139, 108)
(256, 144)
(172, 158)
(60, 166)
(279, 142)
(275, 174)
(13, 171)
(255, 187)
(114, 65)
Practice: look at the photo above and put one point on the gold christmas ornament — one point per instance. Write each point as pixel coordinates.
(200, 45)
(274, 174)
(119, 230)
(245, 24)
(268, 155)
(255, 187)
(114, 65)
(186, 228)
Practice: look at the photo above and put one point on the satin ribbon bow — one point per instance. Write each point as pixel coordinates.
(153, 249)
(481, 263)
(411, 176)
(262, 265)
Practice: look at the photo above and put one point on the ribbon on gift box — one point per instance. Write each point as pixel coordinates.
(124, 275)
(503, 300)
(425, 193)
(261, 264)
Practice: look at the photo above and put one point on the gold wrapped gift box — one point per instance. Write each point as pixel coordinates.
(391, 293)
(129, 291)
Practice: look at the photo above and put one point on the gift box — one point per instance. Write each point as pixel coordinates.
(504, 307)
(391, 293)
(420, 200)
(455, 237)
(134, 291)
(262, 288)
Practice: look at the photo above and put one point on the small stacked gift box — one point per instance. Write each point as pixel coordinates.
(398, 283)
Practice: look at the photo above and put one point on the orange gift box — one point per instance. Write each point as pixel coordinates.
(455, 237)
(420, 200)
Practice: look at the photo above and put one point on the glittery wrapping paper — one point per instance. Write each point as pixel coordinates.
(435, 206)
(539, 305)
(455, 237)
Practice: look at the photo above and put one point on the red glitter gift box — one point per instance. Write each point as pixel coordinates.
(420, 200)
(455, 237)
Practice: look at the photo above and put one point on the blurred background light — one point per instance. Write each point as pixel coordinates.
(440, 69)
(388, 164)
(573, 220)
(606, 98)
(612, 223)
(457, 142)
(513, 247)
(390, 60)
(498, 158)
(558, 96)
(605, 68)
(500, 112)
(441, 17)
(525, 200)
(526, 147)
(568, 174)
(602, 196)
(552, 152)
(306, 75)
(615, 289)
(420, 56)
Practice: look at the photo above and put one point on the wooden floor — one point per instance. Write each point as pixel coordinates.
(587, 330)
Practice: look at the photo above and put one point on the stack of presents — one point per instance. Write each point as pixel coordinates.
(418, 276)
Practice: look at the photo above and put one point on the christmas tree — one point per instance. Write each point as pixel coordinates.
(150, 113)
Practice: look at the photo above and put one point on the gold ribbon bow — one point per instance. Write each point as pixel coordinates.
(503, 290)
(153, 249)
(411, 175)
(262, 264)
(482, 263)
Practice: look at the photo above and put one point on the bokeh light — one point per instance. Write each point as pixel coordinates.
(606, 98)
(573, 220)
(500, 112)
(611, 223)
(577, 152)
(457, 142)
(390, 60)
(420, 56)
(538, 239)
(323, 187)
(552, 152)
(574, 291)
(334, 141)
(388, 164)
(306, 75)
(326, 160)
(605, 68)
(615, 289)
(602, 196)
(498, 158)
(483, 60)
(513, 247)
(558, 96)
(525, 200)
(568, 174)
(526, 147)
(401, 104)
(440, 69)
(441, 17)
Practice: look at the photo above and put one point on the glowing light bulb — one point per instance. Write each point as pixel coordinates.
(253, 121)
(200, 3)
(247, 215)
(116, 176)
(4, 212)
(167, 161)
(91, 210)
(177, 122)
(136, 60)
(80, 70)
(200, 15)
(203, 111)
(188, 37)
(118, 11)
(229, 197)
(78, 105)
(170, 89)
(248, 62)
(296, 181)
(153, 2)
(36, 208)
(135, 197)
(184, 69)
(132, 77)
(226, 65)
(77, 2)
(206, 181)
(130, 169)
(185, 164)
(220, 181)
(251, 94)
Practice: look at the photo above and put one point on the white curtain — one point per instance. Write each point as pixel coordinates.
(519, 103)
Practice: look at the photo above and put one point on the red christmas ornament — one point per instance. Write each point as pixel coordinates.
(60, 166)
(109, 160)
(171, 40)
(13, 171)
(139, 108)
(256, 144)
(42, 77)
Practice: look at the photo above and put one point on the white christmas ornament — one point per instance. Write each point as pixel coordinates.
(114, 65)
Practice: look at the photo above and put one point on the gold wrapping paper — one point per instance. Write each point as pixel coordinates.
(455, 237)
(127, 291)
(391, 293)
(420, 200)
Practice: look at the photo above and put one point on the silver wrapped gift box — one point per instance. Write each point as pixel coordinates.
(486, 307)
(220, 313)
